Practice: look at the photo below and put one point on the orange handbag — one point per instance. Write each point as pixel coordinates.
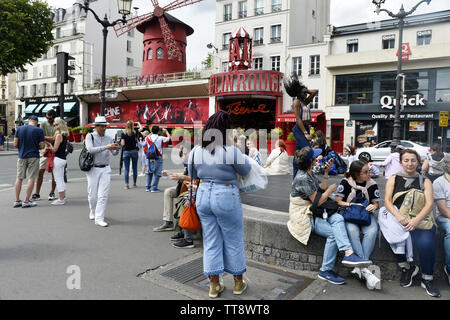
(189, 219)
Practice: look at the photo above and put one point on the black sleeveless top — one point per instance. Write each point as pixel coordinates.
(61, 152)
(399, 186)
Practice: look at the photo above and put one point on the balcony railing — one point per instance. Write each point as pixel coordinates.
(275, 39)
(259, 11)
(225, 46)
(276, 7)
(258, 42)
(243, 14)
(227, 17)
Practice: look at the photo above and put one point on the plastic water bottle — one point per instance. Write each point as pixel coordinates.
(325, 214)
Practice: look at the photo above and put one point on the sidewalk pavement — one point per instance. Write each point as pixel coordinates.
(38, 246)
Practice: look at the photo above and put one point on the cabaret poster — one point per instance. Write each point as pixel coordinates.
(179, 111)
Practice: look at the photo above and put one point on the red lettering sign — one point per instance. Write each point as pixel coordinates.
(237, 109)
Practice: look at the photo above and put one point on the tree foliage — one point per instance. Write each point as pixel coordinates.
(207, 63)
(25, 33)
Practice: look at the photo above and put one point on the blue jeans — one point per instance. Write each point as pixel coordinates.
(220, 212)
(133, 155)
(301, 142)
(444, 225)
(337, 240)
(154, 168)
(424, 242)
(364, 249)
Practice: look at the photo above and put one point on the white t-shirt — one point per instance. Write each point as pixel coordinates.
(158, 140)
(441, 188)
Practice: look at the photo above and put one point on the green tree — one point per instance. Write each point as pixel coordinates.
(208, 62)
(25, 33)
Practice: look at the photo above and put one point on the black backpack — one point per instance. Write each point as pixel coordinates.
(86, 160)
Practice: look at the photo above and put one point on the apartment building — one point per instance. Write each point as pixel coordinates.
(81, 36)
(288, 36)
(361, 72)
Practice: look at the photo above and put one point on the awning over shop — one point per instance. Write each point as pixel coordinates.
(69, 106)
(49, 106)
(30, 108)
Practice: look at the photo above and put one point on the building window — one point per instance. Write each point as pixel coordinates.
(131, 33)
(315, 65)
(150, 54)
(53, 70)
(258, 63)
(243, 9)
(227, 15)
(352, 45)
(443, 85)
(297, 65)
(54, 88)
(33, 90)
(74, 29)
(224, 66)
(55, 50)
(58, 33)
(160, 53)
(226, 40)
(128, 46)
(276, 63)
(258, 38)
(259, 7)
(389, 41)
(43, 89)
(354, 89)
(276, 5)
(22, 92)
(423, 37)
(315, 103)
(275, 36)
(130, 62)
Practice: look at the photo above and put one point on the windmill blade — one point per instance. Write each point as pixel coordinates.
(179, 4)
(120, 28)
(155, 3)
(172, 48)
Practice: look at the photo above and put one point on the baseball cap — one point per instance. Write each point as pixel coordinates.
(33, 118)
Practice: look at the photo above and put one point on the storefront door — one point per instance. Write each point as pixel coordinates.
(337, 135)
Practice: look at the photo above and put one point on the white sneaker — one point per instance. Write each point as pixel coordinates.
(59, 202)
(101, 223)
(91, 216)
(372, 282)
(141, 175)
(357, 273)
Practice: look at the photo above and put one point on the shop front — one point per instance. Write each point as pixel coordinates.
(40, 106)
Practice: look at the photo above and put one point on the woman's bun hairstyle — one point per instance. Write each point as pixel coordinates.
(292, 85)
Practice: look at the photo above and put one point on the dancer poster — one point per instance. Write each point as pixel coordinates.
(181, 111)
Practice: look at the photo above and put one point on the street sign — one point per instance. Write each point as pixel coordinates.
(406, 51)
(443, 119)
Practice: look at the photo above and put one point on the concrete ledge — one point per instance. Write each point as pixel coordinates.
(267, 239)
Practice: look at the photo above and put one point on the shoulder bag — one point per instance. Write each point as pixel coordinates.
(86, 160)
(356, 212)
(189, 218)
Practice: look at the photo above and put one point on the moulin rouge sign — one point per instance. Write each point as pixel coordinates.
(254, 81)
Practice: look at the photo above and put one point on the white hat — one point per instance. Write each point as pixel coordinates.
(100, 121)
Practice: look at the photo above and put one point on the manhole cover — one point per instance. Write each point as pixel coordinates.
(265, 282)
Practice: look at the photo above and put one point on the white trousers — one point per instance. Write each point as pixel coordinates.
(99, 180)
(58, 173)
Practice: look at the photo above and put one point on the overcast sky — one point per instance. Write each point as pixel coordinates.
(201, 17)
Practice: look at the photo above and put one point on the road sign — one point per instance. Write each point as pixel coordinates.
(406, 51)
(443, 119)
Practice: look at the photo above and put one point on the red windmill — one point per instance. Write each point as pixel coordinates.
(164, 38)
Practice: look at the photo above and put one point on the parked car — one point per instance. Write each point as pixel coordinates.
(382, 150)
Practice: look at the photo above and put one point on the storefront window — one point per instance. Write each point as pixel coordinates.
(354, 89)
(443, 85)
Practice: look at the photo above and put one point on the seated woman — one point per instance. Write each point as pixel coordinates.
(358, 183)
(349, 155)
(307, 191)
(416, 222)
(278, 161)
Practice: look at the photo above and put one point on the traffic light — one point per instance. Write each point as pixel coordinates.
(63, 67)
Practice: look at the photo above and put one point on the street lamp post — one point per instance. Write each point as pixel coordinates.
(401, 15)
(124, 9)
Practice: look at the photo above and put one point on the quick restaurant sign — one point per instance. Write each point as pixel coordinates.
(388, 102)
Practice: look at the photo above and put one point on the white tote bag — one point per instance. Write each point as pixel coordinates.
(255, 180)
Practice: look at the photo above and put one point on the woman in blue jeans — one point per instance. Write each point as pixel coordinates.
(330, 225)
(358, 183)
(130, 152)
(423, 240)
(302, 98)
(219, 204)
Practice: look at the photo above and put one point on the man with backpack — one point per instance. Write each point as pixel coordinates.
(154, 153)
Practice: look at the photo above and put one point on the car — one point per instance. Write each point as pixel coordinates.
(382, 150)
